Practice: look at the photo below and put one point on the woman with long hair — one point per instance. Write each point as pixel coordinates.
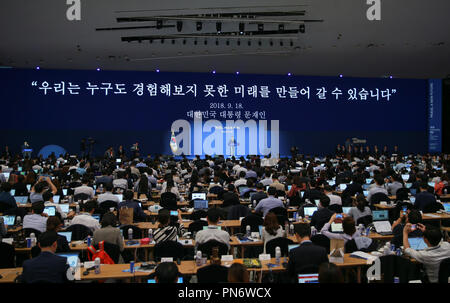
(271, 229)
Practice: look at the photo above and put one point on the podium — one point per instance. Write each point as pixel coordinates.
(26, 152)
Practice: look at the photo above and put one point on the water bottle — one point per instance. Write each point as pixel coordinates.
(33, 239)
(291, 229)
(313, 231)
(97, 265)
(445, 191)
(130, 234)
(295, 216)
(18, 220)
(254, 204)
(89, 241)
(286, 229)
(150, 235)
(248, 229)
(361, 229)
(199, 258)
(101, 188)
(77, 209)
(70, 199)
(278, 255)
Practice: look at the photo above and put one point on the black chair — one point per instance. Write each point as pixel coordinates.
(28, 231)
(281, 214)
(137, 232)
(366, 220)
(321, 240)
(168, 249)
(254, 221)
(198, 214)
(295, 200)
(213, 273)
(169, 200)
(81, 197)
(79, 232)
(206, 248)
(112, 250)
(377, 198)
(282, 243)
(402, 194)
(433, 207)
(336, 208)
(444, 271)
(7, 255)
(216, 190)
(350, 246)
(197, 226)
(238, 211)
(106, 205)
(397, 266)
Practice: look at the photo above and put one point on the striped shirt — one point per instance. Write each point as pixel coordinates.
(168, 233)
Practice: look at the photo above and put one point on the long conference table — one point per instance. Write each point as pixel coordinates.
(186, 268)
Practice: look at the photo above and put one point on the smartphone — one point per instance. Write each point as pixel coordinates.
(413, 227)
(174, 213)
(339, 216)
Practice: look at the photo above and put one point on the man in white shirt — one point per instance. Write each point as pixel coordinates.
(37, 220)
(242, 180)
(268, 203)
(84, 189)
(85, 218)
(48, 201)
(334, 199)
(431, 256)
(108, 195)
(120, 182)
(378, 188)
(213, 232)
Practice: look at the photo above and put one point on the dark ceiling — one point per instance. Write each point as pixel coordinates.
(412, 39)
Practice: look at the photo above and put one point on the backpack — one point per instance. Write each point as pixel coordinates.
(100, 253)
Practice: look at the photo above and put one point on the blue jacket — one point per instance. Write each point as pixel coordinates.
(46, 267)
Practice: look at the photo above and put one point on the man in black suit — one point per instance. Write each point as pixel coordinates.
(424, 198)
(47, 267)
(322, 215)
(307, 257)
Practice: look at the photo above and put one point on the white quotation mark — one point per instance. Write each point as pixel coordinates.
(374, 11)
(74, 11)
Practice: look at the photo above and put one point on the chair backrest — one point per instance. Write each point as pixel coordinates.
(237, 211)
(350, 246)
(444, 271)
(197, 226)
(378, 197)
(137, 232)
(112, 250)
(281, 242)
(216, 190)
(366, 220)
(321, 240)
(169, 200)
(81, 196)
(402, 194)
(108, 204)
(28, 231)
(79, 231)
(213, 273)
(7, 255)
(167, 249)
(198, 214)
(254, 221)
(335, 208)
(206, 248)
(432, 207)
(281, 213)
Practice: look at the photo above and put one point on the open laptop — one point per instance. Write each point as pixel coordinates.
(96, 217)
(417, 243)
(120, 197)
(381, 222)
(431, 184)
(21, 199)
(72, 258)
(13, 192)
(9, 220)
(242, 189)
(200, 204)
(337, 228)
(331, 182)
(50, 210)
(64, 191)
(308, 278)
(342, 187)
(447, 207)
(198, 196)
(64, 208)
(405, 177)
(308, 211)
(67, 234)
(369, 180)
(56, 199)
(345, 210)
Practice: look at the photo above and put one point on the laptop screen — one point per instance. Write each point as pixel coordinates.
(50, 210)
(405, 177)
(200, 204)
(96, 217)
(180, 280)
(72, 258)
(120, 197)
(309, 210)
(9, 220)
(241, 190)
(447, 207)
(65, 191)
(67, 234)
(6, 176)
(29, 187)
(331, 182)
(369, 180)
(56, 199)
(260, 227)
(342, 186)
(366, 193)
(337, 228)
(13, 192)
(431, 184)
(380, 215)
(292, 246)
(64, 208)
(417, 243)
(345, 210)
(198, 196)
(21, 199)
(289, 187)
(308, 278)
